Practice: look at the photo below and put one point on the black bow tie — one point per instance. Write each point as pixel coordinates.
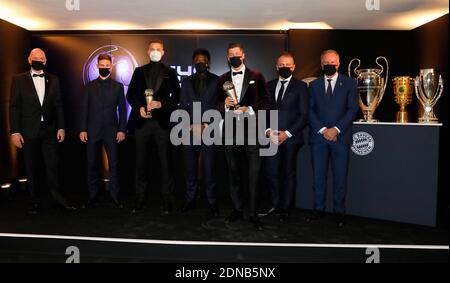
(38, 75)
(237, 73)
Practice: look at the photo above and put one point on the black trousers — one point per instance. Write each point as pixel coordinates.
(148, 132)
(208, 154)
(239, 158)
(44, 144)
(94, 149)
(280, 173)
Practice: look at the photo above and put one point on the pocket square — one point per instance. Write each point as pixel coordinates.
(251, 82)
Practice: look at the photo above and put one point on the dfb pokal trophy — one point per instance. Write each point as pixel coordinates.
(370, 87)
(429, 88)
(403, 90)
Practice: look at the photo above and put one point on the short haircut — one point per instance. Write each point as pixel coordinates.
(286, 54)
(234, 45)
(156, 41)
(201, 51)
(327, 52)
(104, 56)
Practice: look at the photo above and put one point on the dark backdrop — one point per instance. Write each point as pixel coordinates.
(407, 52)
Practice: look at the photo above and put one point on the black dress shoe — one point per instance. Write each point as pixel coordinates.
(340, 220)
(271, 211)
(256, 222)
(90, 203)
(166, 209)
(139, 206)
(35, 208)
(189, 205)
(214, 210)
(284, 217)
(116, 203)
(66, 207)
(315, 215)
(234, 216)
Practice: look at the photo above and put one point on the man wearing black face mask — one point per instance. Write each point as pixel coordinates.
(289, 97)
(201, 87)
(99, 125)
(333, 107)
(252, 95)
(154, 128)
(37, 125)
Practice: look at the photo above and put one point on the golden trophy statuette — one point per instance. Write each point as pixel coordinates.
(403, 90)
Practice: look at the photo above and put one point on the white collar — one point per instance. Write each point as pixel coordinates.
(333, 78)
(32, 72)
(241, 69)
(285, 80)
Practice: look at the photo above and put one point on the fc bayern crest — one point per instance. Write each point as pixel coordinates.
(363, 143)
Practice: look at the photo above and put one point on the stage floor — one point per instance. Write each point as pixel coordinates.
(146, 236)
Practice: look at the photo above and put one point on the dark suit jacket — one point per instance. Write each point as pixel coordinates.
(99, 109)
(26, 110)
(293, 110)
(208, 99)
(167, 91)
(255, 92)
(339, 110)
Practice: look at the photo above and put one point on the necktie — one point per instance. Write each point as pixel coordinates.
(38, 75)
(329, 89)
(237, 73)
(280, 93)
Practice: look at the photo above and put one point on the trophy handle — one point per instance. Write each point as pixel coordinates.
(419, 91)
(386, 77)
(354, 70)
(439, 90)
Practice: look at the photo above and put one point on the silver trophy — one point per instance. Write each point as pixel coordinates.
(230, 91)
(148, 99)
(428, 90)
(370, 87)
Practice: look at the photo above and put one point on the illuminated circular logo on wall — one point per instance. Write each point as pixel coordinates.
(124, 64)
(363, 143)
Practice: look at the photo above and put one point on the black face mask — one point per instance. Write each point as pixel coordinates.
(201, 68)
(284, 72)
(104, 72)
(37, 65)
(329, 70)
(235, 61)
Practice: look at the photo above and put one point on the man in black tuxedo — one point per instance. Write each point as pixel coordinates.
(100, 125)
(37, 125)
(155, 125)
(289, 97)
(201, 87)
(252, 95)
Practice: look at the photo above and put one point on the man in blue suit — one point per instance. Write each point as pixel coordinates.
(100, 125)
(333, 107)
(290, 97)
(202, 87)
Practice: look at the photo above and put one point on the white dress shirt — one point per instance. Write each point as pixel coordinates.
(39, 85)
(333, 84)
(277, 89)
(238, 82)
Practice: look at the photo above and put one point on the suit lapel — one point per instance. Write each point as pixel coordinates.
(338, 84)
(160, 79)
(286, 92)
(321, 87)
(47, 84)
(245, 83)
(33, 88)
(272, 90)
